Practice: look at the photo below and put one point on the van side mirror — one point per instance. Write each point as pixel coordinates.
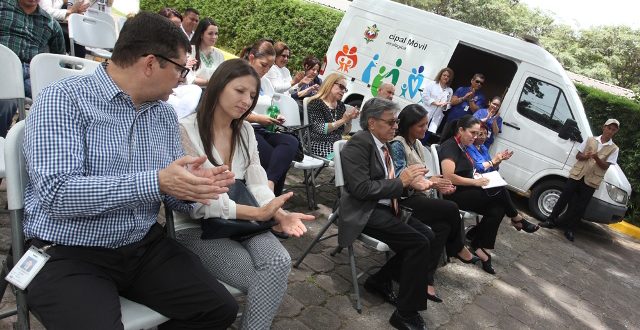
(570, 131)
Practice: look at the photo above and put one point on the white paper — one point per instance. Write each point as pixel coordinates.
(495, 180)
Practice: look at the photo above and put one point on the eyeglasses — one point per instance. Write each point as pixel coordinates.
(184, 71)
(343, 87)
(479, 82)
(390, 122)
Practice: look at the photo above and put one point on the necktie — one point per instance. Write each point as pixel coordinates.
(390, 175)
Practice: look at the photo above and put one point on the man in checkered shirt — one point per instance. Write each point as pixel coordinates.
(103, 152)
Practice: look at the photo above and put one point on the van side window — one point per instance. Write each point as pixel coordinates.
(544, 103)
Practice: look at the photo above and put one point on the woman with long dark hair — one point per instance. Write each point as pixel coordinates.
(276, 150)
(441, 215)
(259, 264)
(458, 166)
(209, 58)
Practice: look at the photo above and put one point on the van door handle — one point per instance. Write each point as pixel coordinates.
(512, 125)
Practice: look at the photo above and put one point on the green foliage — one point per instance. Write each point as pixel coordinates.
(599, 106)
(607, 53)
(306, 28)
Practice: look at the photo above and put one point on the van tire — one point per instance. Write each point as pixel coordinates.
(543, 197)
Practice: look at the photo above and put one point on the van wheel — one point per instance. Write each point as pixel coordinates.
(544, 197)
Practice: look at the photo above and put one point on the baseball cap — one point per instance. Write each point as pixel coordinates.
(612, 121)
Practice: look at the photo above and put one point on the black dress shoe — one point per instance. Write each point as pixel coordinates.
(548, 224)
(415, 322)
(384, 290)
(434, 297)
(569, 235)
(486, 265)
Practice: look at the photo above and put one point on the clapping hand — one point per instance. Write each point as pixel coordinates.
(443, 185)
(186, 179)
(411, 173)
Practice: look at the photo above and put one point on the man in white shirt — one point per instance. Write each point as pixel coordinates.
(595, 155)
(190, 20)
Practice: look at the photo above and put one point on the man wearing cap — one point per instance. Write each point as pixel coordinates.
(595, 155)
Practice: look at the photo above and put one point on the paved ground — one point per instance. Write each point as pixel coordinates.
(543, 282)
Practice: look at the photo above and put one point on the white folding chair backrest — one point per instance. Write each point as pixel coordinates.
(92, 32)
(12, 82)
(337, 148)
(305, 112)
(48, 68)
(436, 159)
(94, 13)
(15, 167)
(429, 161)
(289, 110)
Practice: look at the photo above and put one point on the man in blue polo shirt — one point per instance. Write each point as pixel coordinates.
(467, 100)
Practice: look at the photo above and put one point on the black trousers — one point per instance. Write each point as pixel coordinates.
(276, 151)
(78, 287)
(492, 204)
(443, 217)
(577, 195)
(410, 242)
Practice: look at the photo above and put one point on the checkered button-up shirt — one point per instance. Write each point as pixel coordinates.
(29, 35)
(93, 161)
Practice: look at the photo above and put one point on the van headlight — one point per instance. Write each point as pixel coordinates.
(617, 194)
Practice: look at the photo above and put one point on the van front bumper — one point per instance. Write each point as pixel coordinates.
(603, 212)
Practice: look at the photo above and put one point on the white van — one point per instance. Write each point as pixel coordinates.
(384, 41)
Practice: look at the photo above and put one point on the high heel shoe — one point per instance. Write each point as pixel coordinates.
(434, 297)
(486, 265)
(473, 259)
(524, 225)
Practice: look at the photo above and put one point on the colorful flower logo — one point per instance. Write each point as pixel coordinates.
(371, 33)
(346, 58)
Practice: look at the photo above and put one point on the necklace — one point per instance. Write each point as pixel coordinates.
(206, 59)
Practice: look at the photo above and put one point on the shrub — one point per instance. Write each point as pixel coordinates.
(306, 28)
(600, 106)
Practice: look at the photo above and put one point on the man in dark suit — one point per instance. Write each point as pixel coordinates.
(369, 205)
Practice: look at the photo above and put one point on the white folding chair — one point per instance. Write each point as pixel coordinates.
(97, 14)
(48, 68)
(12, 82)
(94, 33)
(134, 315)
(289, 110)
(365, 239)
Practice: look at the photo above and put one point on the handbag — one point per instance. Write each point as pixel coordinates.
(299, 156)
(236, 229)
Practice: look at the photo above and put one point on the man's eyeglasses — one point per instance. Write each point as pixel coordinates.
(390, 122)
(184, 71)
(479, 82)
(343, 87)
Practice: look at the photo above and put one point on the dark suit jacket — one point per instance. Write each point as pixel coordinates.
(365, 184)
